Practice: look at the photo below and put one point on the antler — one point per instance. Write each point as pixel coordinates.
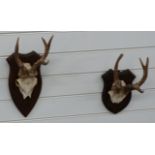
(137, 85)
(117, 83)
(46, 52)
(116, 74)
(16, 54)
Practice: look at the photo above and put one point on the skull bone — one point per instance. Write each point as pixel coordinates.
(27, 83)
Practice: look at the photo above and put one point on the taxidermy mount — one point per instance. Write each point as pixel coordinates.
(25, 81)
(118, 86)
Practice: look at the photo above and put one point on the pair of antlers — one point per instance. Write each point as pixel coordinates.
(39, 61)
(137, 85)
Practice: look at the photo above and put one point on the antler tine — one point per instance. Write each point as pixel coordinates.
(44, 56)
(116, 75)
(137, 85)
(18, 60)
(47, 47)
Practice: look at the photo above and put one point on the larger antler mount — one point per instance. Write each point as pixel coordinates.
(27, 74)
(119, 85)
(25, 80)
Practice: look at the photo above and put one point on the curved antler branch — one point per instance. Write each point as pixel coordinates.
(116, 74)
(44, 56)
(137, 85)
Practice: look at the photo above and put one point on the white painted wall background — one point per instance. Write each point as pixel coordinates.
(72, 82)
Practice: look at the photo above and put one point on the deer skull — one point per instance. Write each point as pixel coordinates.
(120, 89)
(26, 85)
(27, 74)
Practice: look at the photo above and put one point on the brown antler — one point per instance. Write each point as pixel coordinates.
(46, 52)
(16, 54)
(137, 85)
(116, 74)
(117, 83)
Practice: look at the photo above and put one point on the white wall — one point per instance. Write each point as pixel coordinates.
(72, 81)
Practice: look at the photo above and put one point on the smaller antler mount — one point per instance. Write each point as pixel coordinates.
(120, 89)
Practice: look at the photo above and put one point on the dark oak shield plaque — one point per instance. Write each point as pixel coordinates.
(24, 105)
(125, 75)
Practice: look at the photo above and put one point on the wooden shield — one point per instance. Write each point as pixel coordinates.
(125, 75)
(24, 105)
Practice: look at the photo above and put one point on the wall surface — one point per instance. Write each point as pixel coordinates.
(72, 83)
